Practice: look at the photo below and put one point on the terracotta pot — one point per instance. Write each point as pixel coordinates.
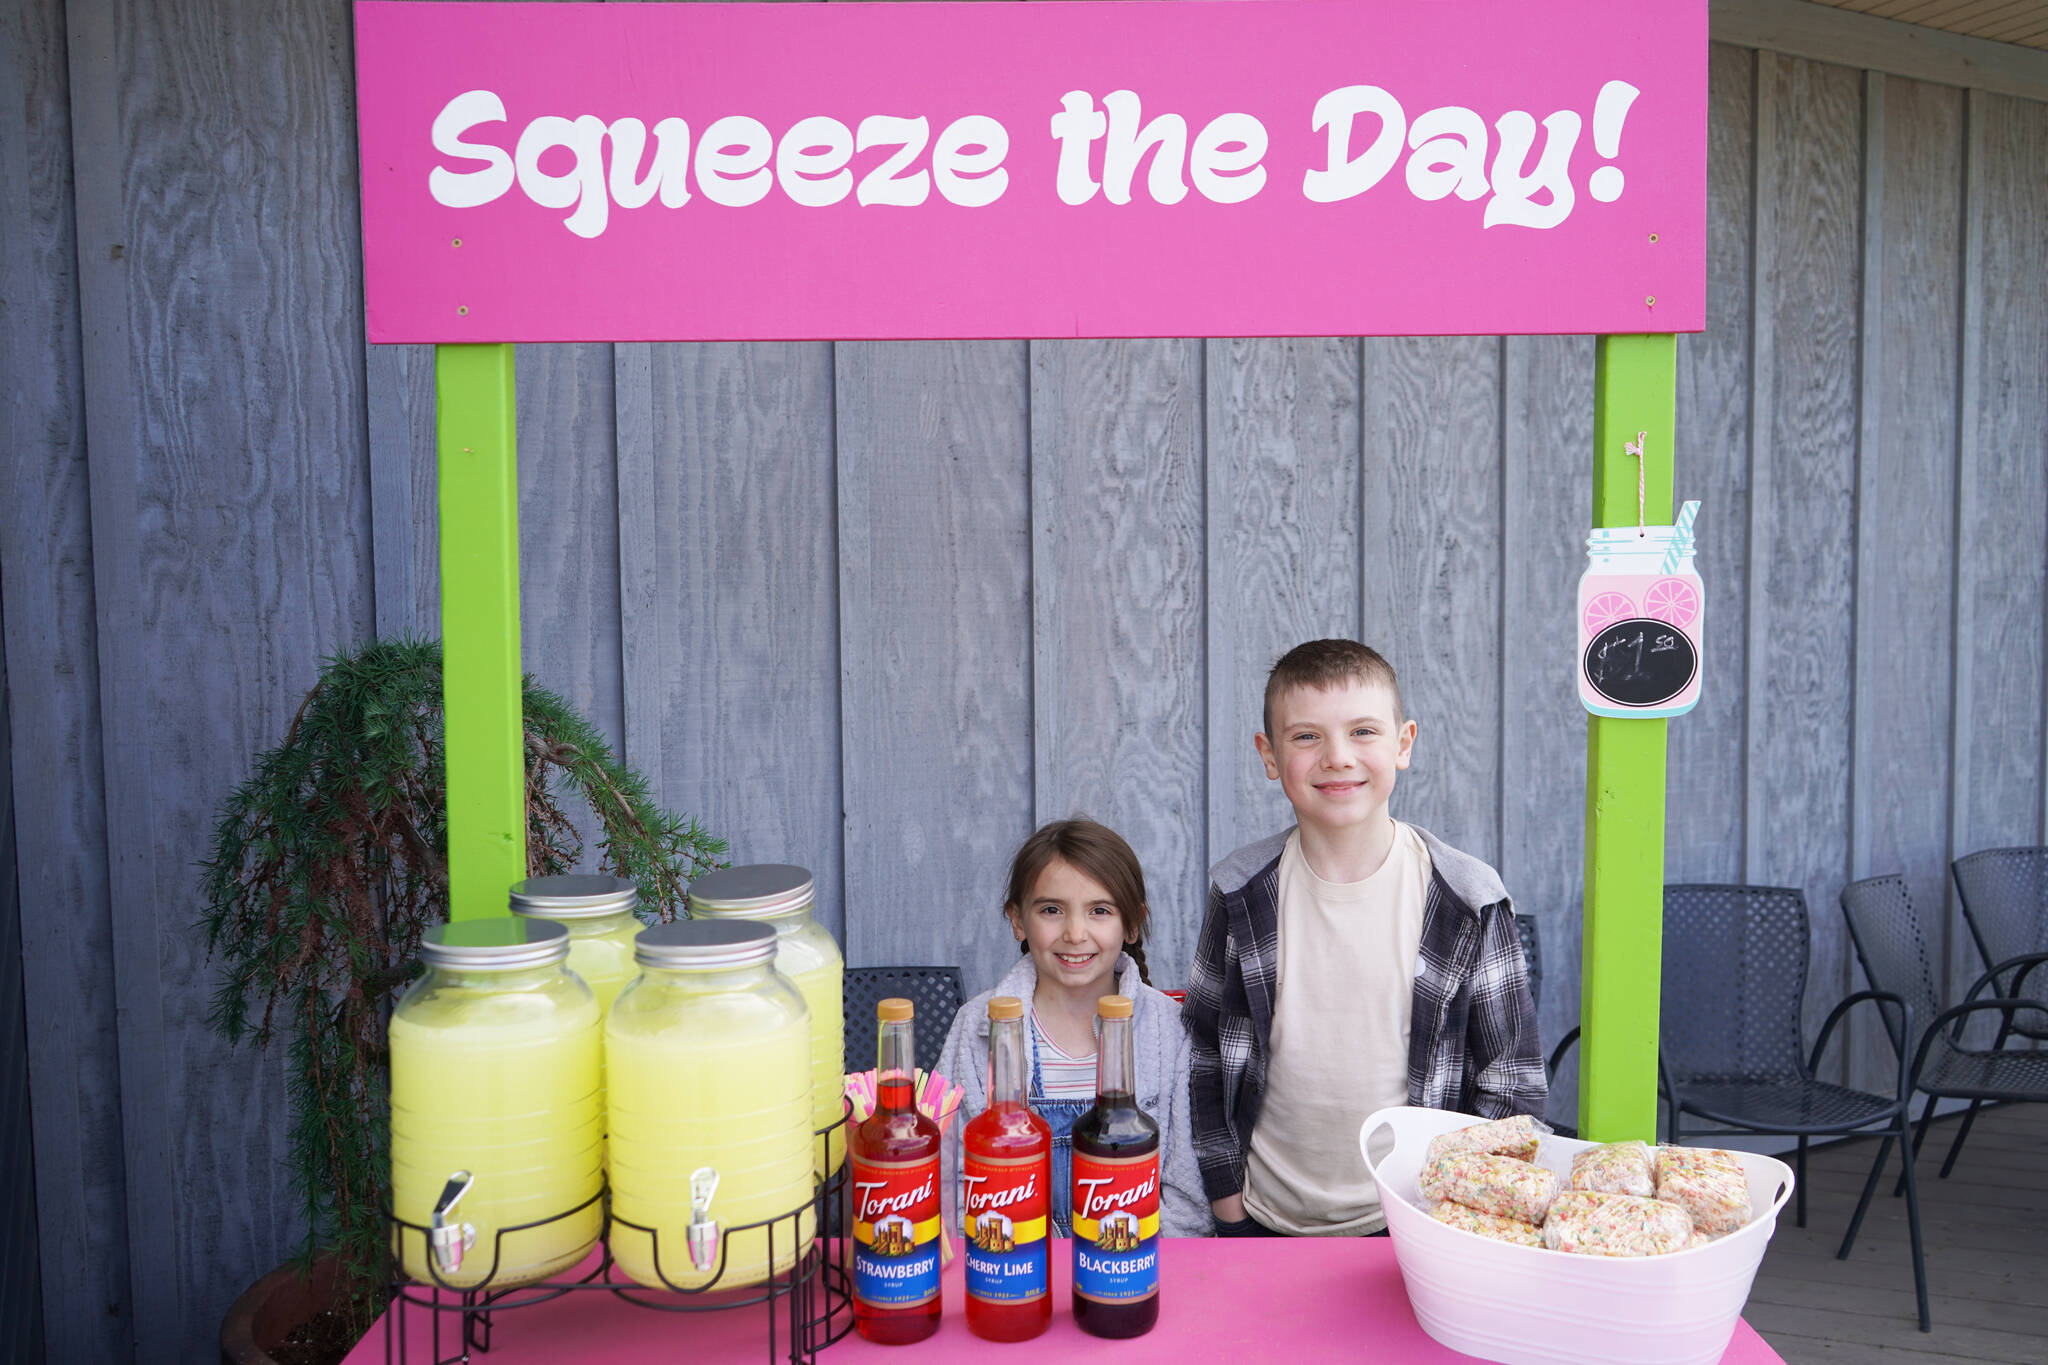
(273, 1308)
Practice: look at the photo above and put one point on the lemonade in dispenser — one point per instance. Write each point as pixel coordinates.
(710, 1110)
(598, 913)
(494, 1110)
(780, 895)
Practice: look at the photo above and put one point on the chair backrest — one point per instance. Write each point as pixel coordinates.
(935, 993)
(1734, 983)
(1532, 954)
(1889, 943)
(2005, 900)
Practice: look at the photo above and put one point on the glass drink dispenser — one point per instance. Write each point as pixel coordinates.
(494, 1109)
(781, 895)
(598, 913)
(710, 1109)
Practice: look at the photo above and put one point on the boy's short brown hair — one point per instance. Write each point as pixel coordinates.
(1327, 663)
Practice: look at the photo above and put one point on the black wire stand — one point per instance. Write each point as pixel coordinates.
(810, 1302)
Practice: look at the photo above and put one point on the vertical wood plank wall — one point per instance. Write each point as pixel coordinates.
(880, 608)
(21, 1289)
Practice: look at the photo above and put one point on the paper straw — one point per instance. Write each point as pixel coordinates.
(1681, 537)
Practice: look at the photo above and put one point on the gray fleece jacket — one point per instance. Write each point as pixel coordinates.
(1161, 1048)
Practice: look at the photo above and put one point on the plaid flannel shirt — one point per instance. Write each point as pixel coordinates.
(1473, 1044)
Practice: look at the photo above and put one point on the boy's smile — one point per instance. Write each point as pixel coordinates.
(1335, 752)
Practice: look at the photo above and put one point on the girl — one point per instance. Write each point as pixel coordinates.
(1076, 905)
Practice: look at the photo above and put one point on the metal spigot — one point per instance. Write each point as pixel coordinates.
(451, 1240)
(703, 1227)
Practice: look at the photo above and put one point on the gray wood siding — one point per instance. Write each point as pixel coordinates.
(1911, 290)
(880, 608)
(21, 1289)
(59, 807)
(1802, 503)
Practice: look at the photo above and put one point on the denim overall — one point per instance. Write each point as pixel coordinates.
(1060, 1116)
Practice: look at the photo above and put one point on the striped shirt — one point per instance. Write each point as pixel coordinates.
(1061, 1076)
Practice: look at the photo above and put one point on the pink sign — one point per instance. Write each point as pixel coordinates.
(553, 172)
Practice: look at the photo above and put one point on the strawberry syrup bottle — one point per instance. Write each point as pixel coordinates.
(895, 1177)
(1116, 1192)
(1007, 1184)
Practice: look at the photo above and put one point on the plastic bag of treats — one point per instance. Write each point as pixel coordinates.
(1617, 1168)
(1487, 1224)
(1589, 1223)
(1707, 1183)
(1515, 1137)
(1499, 1185)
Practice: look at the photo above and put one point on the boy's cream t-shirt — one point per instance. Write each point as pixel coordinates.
(1339, 1045)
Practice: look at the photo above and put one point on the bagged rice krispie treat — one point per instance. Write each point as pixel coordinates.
(1617, 1168)
(1487, 1224)
(1589, 1223)
(1493, 1184)
(1515, 1137)
(1707, 1183)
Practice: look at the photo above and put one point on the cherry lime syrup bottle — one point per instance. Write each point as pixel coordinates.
(1006, 1193)
(894, 1155)
(1116, 1192)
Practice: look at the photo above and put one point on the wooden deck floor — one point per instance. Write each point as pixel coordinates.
(1987, 1256)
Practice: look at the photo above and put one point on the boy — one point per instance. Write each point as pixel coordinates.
(1347, 964)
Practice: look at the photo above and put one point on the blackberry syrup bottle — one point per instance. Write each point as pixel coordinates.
(1116, 1192)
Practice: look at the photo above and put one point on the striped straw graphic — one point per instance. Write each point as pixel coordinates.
(1681, 536)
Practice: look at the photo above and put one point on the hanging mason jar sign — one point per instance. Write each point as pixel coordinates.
(1641, 612)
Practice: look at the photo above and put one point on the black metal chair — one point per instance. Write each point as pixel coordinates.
(1532, 954)
(1894, 956)
(2004, 894)
(935, 992)
(1731, 1046)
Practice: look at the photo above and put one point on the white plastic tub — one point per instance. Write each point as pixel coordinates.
(1532, 1306)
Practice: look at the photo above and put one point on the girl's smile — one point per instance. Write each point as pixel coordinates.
(1074, 932)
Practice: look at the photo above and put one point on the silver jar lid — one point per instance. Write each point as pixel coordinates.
(576, 895)
(745, 892)
(704, 945)
(498, 944)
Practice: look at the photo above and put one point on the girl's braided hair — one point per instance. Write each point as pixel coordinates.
(1101, 854)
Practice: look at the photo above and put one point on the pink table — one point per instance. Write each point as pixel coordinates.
(1273, 1299)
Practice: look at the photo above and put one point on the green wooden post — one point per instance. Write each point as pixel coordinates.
(481, 680)
(1635, 388)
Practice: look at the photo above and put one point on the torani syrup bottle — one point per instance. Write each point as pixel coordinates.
(895, 1170)
(1006, 1179)
(1116, 1192)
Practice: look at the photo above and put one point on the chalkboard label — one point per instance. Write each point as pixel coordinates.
(1640, 662)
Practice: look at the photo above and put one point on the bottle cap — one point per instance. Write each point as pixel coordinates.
(1113, 1007)
(500, 943)
(573, 896)
(1006, 1007)
(704, 945)
(747, 892)
(894, 1010)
